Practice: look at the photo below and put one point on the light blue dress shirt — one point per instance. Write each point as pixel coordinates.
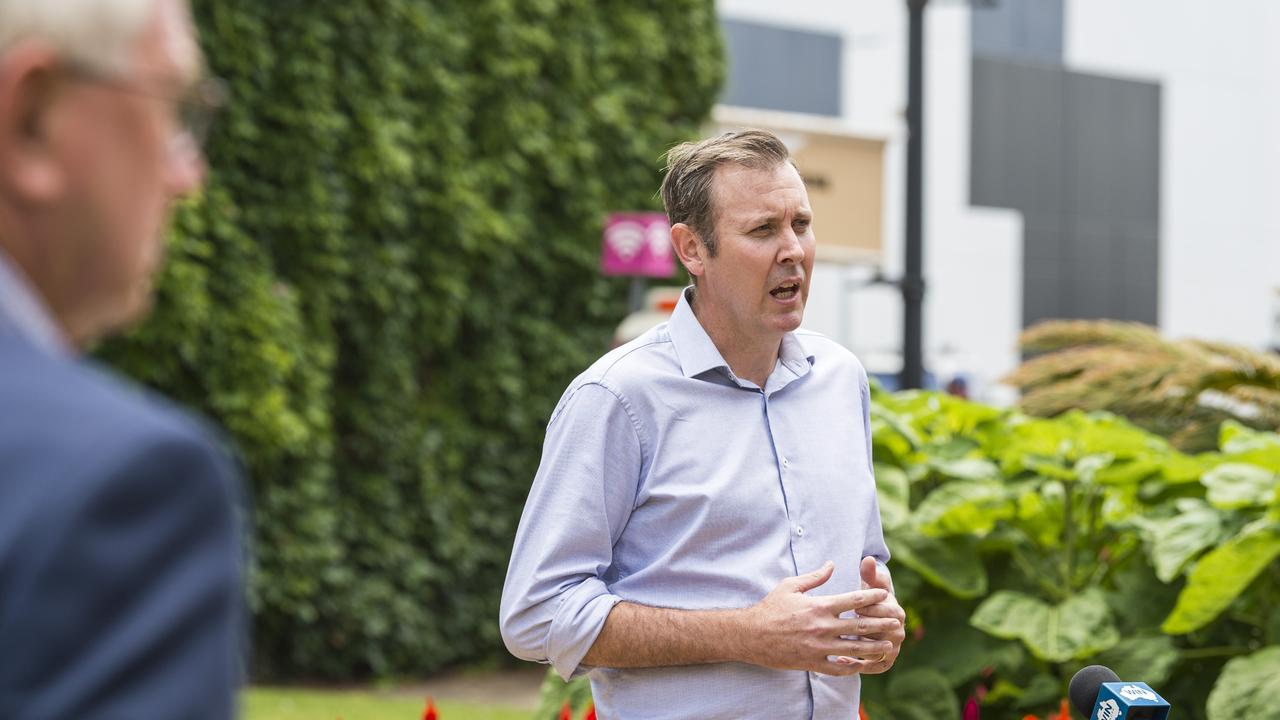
(668, 481)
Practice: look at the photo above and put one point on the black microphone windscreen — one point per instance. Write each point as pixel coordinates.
(1085, 685)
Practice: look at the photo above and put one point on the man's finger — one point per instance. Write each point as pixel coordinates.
(872, 575)
(855, 600)
(809, 581)
(884, 610)
(863, 625)
(844, 665)
(865, 649)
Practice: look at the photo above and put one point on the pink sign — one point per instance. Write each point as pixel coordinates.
(637, 243)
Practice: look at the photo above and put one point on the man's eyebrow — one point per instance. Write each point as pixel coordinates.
(761, 219)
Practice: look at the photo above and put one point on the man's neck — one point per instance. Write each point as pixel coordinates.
(23, 307)
(751, 358)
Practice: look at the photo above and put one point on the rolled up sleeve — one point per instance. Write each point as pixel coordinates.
(873, 542)
(556, 599)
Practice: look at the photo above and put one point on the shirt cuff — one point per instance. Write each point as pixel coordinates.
(578, 621)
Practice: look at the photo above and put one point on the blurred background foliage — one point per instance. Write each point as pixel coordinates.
(390, 279)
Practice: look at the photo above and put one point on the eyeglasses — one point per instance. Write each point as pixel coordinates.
(198, 103)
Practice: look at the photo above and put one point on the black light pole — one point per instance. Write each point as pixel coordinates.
(913, 276)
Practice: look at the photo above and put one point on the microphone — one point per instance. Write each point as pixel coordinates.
(1098, 694)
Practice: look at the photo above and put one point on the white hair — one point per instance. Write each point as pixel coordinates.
(99, 34)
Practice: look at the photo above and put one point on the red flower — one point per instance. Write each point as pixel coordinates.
(430, 712)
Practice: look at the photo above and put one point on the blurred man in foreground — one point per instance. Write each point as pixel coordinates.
(120, 556)
(703, 534)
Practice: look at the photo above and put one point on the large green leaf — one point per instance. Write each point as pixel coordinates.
(1249, 687)
(960, 651)
(1130, 471)
(1220, 576)
(1040, 513)
(928, 689)
(1237, 485)
(907, 694)
(963, 507)
(1151, 658)
(1172, 542)
(950, 563)
(966, 469)
(893, 492)
(1079, 627)
(1236, 438)
(1087, 468)
(1176, 468)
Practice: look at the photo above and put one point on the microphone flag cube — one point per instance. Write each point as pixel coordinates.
(1129, 701)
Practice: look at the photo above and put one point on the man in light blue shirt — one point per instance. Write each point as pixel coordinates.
(702, 534)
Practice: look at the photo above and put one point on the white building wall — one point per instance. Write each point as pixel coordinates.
(973, 256)
(1219, 66)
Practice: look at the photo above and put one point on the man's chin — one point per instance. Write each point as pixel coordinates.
(787, 322)
(123, 316)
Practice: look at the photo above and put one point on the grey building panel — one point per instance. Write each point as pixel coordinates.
(1079, 156)
(1029, 30)
(775, 68)
(1019, 143)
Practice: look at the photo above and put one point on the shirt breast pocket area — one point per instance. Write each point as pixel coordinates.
(720, 500)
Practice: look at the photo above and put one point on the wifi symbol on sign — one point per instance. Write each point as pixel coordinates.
(625, 239)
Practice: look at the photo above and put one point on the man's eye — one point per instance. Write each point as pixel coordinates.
(801, 225)
(763, 229)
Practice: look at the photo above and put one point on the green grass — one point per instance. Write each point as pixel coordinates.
(300, 704)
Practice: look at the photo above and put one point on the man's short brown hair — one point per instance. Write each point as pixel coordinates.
(691, 167)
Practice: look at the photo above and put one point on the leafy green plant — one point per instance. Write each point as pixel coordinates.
(1025, 548)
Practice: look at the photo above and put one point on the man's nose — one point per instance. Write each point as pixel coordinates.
(792, 250)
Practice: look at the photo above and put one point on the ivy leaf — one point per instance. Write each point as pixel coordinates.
(1220, 576)
(1249, 687)
(1235, 485)
(1079, 627)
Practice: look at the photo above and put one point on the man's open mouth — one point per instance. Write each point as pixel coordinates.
(786, 290)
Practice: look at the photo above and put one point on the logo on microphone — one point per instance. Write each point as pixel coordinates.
(1133, 692)
(1108, 710)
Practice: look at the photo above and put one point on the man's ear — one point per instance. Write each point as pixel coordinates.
(689, 248)
(29, 167)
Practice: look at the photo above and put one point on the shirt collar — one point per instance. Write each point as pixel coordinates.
(23, 312)
(698, 354)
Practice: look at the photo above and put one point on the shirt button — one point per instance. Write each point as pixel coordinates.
(786, 462)
(800, 530)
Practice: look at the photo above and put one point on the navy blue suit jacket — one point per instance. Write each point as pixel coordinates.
(120, 549)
